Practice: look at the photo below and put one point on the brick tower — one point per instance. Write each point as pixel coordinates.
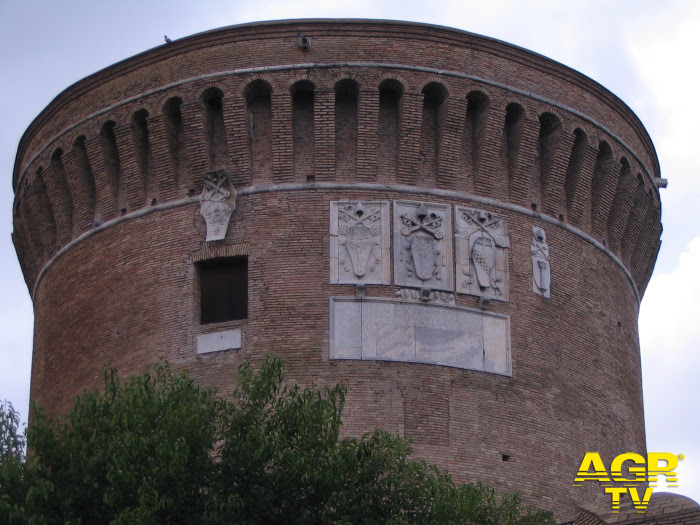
(457, 229)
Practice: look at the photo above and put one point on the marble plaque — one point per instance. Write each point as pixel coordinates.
(423, 245)
(219, 341)
(481, 253)
(385, 329)
(359, 232)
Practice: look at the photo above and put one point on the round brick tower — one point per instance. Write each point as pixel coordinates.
(457, 229)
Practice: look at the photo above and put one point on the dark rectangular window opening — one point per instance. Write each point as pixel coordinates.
(224, 289)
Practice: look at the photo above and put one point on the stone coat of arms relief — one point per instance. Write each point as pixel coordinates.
(481, 246)
(218, 200)
(360, 242)
(422, 245)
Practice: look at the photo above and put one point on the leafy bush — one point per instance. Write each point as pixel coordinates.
(160, 449)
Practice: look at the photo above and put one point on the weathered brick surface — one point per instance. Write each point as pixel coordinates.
(127, 294)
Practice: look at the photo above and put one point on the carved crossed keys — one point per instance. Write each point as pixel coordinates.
(361, 229)
(422, 247)
(216, 185)
(218, 200)
(481, 244)
(422, 220)
(423, 257)
(360, 240)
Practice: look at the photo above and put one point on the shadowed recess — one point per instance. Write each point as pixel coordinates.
(258, 97)
(346, 99)
(303, 130)
(214, 128)
(432, 127)
(388, 131)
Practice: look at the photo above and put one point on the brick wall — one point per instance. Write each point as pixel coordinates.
(108, 230)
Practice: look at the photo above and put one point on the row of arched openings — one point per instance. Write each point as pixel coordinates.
(561, 177)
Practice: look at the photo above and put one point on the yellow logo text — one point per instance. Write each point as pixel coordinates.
(631, 470)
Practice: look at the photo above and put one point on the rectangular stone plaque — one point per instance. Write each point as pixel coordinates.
(481, 253)
(360, 236)
(423, 245)
(346, 329)
(391, 330)
(219, 341)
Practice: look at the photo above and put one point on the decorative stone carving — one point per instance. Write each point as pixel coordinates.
(423, 245)
(425, 295)
(359, 251)
(218, 200)
(541, 277)
(481, 244)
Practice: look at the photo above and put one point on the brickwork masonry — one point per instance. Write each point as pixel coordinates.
(108, 231)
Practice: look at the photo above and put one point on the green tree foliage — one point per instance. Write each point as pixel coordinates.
(160, 449)
(140, 451)
(13, 485)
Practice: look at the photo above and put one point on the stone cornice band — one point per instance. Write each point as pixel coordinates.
(349, 186)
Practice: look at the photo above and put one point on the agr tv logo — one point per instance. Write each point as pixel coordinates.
(652, 467)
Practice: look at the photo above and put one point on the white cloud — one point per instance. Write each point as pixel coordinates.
(669, 338)
(668, 321)
(662, 60)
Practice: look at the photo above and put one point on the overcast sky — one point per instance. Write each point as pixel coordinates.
(646, 52)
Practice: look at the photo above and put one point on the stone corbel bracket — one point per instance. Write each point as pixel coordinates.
(426, 296)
